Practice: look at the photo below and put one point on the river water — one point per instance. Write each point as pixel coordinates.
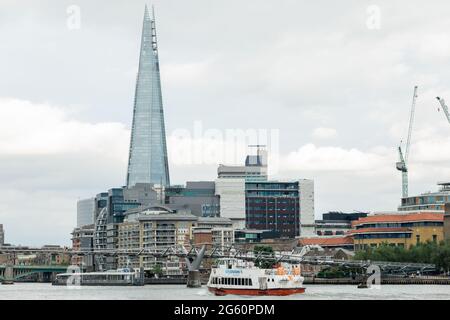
(45, 291)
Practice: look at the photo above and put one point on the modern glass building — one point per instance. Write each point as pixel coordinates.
(85, 212)
(147, 162)
(429, 200)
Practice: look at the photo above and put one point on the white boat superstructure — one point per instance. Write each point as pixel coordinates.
(234, 276)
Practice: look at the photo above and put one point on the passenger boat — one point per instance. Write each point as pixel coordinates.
(119, 277)
(234, 276)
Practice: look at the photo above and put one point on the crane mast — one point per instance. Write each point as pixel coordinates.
(444, 107)
(402, 165)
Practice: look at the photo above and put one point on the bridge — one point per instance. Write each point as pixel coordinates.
(18, 272)
(216, 252)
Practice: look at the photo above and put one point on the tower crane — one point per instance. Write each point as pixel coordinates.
(444, 107)
(402, 165)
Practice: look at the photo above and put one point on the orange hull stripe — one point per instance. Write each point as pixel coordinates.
(256, 292)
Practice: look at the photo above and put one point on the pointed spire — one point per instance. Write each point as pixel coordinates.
(146, 14)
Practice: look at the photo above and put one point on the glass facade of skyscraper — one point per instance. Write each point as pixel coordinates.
(148, 161)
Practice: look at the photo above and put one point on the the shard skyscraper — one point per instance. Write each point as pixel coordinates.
(148, 162)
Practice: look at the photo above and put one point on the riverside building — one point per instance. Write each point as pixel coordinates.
(155, 229)
(118, 202)
(83, 240)
(403, 229)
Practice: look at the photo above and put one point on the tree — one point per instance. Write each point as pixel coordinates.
(428, 252)
(267, 259)
(157, 270)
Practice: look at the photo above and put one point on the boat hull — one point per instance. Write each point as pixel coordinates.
(256, 292)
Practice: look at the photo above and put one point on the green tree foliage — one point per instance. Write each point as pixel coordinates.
(157, 270)
(429, 252)
(267, 259)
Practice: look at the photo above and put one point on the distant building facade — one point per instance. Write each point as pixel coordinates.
(251, 200)
(286, 207)
(403, 230)
(255, 168)
(221, 230)
(118, 202)
(337, 223)
(447, 221)
(197, 196)
(2, 235)
(330, 242)
(255, 235)
(428, 201)
(85, 212)
(155, 229)
(83, 240)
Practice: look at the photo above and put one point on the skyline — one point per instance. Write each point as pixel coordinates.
(65, 129)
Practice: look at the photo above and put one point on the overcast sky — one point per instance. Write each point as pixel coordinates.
(333, 83)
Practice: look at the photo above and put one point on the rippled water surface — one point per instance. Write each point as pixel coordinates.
(32, 291)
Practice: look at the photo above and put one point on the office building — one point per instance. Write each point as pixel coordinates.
(428, 201)
(250, 200)
(286, 207)
(337, 223)
(118, 202)
(255, 168)
(231, 193)
(254, 235)
(85, 212)
(147, 161)
(2, 235)
(197, 196)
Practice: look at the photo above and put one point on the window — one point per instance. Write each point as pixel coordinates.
(434, 238)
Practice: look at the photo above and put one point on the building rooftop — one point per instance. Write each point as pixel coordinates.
(413, 217)
(326, 241)
(215, 220)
